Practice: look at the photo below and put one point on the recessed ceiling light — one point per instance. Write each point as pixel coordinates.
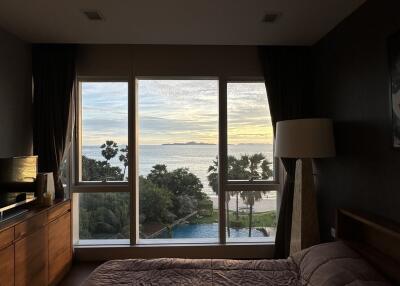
(271, 17)
(93, 15)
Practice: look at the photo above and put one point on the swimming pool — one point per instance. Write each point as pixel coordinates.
(206, 231)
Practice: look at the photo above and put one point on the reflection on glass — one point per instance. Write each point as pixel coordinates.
(64, 172)
(252, 216)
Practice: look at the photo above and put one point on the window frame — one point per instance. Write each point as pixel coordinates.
(268, 185)
(226, 185)
(146, 242)
(77, 186)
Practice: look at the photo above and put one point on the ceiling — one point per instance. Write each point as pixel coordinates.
(215, 22)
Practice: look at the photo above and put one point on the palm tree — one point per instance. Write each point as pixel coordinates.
(255, 161)
(124, 158)
(266, 171)
(213, 183)
(109, 151)
(249, 198)
(237, 171)
(254, 167)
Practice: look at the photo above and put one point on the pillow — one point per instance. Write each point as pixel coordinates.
(334, 264)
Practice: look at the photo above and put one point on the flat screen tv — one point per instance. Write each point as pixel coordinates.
(17, 184)
(18, 169)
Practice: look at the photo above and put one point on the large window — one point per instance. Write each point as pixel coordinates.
(203, 168)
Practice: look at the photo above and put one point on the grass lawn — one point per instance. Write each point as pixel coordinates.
(261, 219)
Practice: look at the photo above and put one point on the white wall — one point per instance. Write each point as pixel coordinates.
(15, 96)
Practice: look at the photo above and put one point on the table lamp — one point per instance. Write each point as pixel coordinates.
(304, 139)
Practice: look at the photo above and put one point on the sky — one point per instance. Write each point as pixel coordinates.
(175, 111)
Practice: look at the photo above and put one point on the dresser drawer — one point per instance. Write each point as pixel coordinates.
(60, 248)
(31, 259)
(6, 237)
(7, 266)
(30, 225)
(59, 211)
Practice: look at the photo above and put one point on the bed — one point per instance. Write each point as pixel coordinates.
(367, 253)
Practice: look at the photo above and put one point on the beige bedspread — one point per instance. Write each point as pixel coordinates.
(326, 264)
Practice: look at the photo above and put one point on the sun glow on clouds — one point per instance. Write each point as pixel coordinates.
(172, 111)
(249, 119)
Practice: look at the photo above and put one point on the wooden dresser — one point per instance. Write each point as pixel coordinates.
(36, 247)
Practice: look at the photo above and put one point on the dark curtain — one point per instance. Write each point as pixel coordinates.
(288, 80)
(53, 68)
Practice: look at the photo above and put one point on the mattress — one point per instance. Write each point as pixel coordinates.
(325, 264)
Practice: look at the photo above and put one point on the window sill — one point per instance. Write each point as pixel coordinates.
(92, 187)
(231, 250)
(173, 242)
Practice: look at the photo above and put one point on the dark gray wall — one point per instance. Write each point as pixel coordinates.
(352, 87)
(15, 96)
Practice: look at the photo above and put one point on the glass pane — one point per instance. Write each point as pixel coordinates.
(250, 134)
(177, 145)
(252, 216)
(104, 131)
(104, 216)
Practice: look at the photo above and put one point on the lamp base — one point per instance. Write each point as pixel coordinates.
(305, 227)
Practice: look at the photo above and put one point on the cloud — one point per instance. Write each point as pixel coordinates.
(165, 124)
(104, 112)
(176, 111)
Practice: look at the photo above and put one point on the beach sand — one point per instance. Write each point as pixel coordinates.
(265, 204)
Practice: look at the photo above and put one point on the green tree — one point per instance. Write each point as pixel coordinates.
(237, 170)
(185, 187)
(266, 172)
(213, 183)
(123, 157)
(94, 170)
(255, 168)
(155, 203)
(104, 216)
(159, 175)
(109, 151)
(246, 167)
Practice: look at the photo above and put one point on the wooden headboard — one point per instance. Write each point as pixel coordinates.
(375, 238)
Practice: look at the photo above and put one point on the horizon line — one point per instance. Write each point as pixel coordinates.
(179, 144)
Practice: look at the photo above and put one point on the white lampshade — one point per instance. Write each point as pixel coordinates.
(304, 138)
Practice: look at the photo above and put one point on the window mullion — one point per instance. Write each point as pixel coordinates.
(133, 179)
(222, 158)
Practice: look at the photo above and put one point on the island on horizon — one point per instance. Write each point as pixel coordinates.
(189, 143)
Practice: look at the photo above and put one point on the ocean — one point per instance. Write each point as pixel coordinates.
(197, 158)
